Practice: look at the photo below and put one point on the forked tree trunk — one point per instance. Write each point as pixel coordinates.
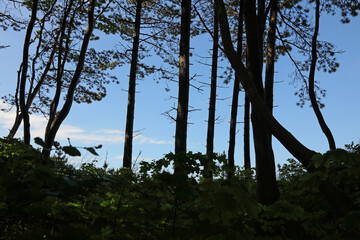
(235, 99)
(127, 159)
(32, 94)
(183, 96)
(54, 125)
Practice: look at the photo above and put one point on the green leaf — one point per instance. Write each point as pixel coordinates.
(352, 221)
(70, 182)
(92, 151)
(318, 160)
(39, 141)
(72, 151)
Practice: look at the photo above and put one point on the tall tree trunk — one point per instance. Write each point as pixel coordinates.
(60, 117)
(25, 63)
(314, 104)
(62, 56)
(247, 163)
(261, 21)
(235, 98)
(131, 91)
(268, 191)
(335, 196)
(212, 102)
(270, 61)
(183, 96)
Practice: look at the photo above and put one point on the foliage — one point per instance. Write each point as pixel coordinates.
(57, 201)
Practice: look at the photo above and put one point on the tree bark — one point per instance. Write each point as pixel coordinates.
(60, 117)
(212, 101)
(337, 198)
(127, 159)
(270, 60)
(247, 163)
(25, 63)
(268, 191)
(183, 96)
(235, 98)
(326, 130)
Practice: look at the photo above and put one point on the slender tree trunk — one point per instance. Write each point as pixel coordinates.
(183, 96)
(62, 56)
(16, 125)
(25, 63)
(268, 191)
(247, 163)
(270, 61)
(261, 21)
(326, 130)
(235, 99)
(32, 94)
(131, 92)
(212, 102)
(60, 117)
(336, 197)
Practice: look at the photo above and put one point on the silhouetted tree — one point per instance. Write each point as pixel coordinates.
(127, 159)
(24, 69)
(326, 130)
(235, 96)
(184, 66)
(56, 118)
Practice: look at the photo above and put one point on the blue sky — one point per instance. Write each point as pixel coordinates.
(104, 122)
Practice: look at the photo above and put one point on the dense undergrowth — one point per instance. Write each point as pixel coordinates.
(58, 201)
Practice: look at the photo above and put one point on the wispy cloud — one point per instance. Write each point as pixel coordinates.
(148, 140)
(75, 133)
(134, 158)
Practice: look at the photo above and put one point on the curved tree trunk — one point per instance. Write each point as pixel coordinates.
(25, 63)
(312, 95)
(235, 98)
(127, 160)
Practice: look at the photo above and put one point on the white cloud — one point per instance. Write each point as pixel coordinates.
(142, 139)
(75, 133)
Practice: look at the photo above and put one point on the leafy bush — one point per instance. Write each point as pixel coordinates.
(57, 201)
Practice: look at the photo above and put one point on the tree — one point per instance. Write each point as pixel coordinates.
(24, 68)
(131, 91)
(247, 163)
(184, 66)
(312, 93)
(56, 120)
(235, 95)
(336, 197)
(212, 102)
(265, 163)
(56, 37)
